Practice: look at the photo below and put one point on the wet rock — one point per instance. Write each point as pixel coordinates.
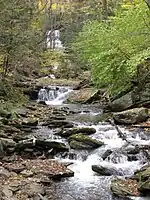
(41, 144)
(131, 116)
(106, 154)
(80, 141)
(132, 158)
(58, 124)
(83, 130)
(122, 103)
(123, 188)
(51, 145)
(117, 157)
(106, 171)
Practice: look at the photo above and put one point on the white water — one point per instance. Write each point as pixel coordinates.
(53, 95)
(59, 99)
(86, 184)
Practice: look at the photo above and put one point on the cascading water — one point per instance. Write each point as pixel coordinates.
(86, 184)
(53, 95)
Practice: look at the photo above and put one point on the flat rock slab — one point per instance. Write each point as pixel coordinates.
(131, 116)
(83, 95)
(50, 168)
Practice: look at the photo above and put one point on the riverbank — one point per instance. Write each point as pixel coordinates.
(68, 140)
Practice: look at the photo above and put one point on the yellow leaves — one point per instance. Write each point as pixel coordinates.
(130, 3)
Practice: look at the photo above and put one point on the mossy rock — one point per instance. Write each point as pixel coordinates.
(143, 174)
(80, 141)
(144, 187)
(77, 130)
(124, 188)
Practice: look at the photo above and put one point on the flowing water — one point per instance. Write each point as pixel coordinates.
(86, 184)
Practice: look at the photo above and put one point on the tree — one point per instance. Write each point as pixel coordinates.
(113, 48)
(19, 34)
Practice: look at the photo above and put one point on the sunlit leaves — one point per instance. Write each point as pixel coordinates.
(112, 48)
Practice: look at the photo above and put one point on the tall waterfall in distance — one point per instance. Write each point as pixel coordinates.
(53, 40)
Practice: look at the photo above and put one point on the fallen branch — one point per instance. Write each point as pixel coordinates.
(120, 133)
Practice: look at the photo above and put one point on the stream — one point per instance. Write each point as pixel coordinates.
(86, 184)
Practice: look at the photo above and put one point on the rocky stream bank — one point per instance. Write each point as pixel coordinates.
(43, 144)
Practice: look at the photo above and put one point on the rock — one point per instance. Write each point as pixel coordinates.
(7, 143)
(60, 123)
(27, 173)
(104, 171)
(131, 116)
(144, 187)
(6, 192)
(85, 95)
(83, 130)
(42, 144)
(34, 188)
(4, 172)
(123, 103)
(47, 144)
(16, 167)
(50, 168)
(5, 113)
(106, 154)
(80, 141)
(143, 174)
(22, 112)
(30, 122)
(124, 188)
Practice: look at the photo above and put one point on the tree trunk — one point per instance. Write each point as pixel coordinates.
(105, 9)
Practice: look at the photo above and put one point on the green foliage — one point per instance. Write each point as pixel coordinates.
(114, 47)
(10, 96)
(19, 33)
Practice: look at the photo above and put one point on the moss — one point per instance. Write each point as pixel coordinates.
(85, 140)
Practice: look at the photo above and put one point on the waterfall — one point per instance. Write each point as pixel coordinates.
(53, 95)
(53, 40)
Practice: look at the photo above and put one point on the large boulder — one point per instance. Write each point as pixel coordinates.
(131, 116)
(76, 130)
(106, 171)
(123, 188)
(42, 144)
(85, 95)
(121, 103)
(80, 141)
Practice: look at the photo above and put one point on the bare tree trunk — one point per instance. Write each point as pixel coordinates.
(105, 9)
(5, 66)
